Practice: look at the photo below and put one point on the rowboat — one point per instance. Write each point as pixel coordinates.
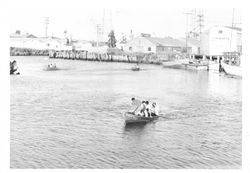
(135, 68)
(48, 68)
(132, 118)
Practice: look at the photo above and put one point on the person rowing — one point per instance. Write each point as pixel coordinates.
(13, 67)
(136, 104)
(143, 109)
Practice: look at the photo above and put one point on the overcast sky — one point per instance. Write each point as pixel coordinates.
(81, 21)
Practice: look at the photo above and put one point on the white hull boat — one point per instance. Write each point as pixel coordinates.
(232, 69)
(174, 64)
(196, 66)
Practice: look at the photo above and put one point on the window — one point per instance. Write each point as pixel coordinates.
(130, 48)
(149, 48)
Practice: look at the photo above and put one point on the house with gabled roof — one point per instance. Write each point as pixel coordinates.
(162, 47)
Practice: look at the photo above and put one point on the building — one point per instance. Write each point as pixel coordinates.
(29, 41)
(165, 48)
(82, 45)
(193, 43)
(120, 45)
(18, 34)
(217, 40)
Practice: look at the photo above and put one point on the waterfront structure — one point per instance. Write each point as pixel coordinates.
(18, 34)
(120, 45)
(193, 43)
(29, 41)
(219, 39)
(81, 45)
(165, 48)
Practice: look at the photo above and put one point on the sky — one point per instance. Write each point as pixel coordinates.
(80, 22)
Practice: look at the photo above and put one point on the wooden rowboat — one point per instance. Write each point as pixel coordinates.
(132, 118)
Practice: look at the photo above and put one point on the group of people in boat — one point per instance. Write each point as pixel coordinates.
(52, 66)
(144, 108)
(13, 68)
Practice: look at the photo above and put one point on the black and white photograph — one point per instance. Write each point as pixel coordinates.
(125, 87)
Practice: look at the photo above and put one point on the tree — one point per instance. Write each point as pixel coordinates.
(112, 40)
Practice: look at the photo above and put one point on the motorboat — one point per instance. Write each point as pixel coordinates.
(132, 118)
(176, 64)
(197, 65)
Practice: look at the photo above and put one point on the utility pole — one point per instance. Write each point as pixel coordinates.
(99, 32)
(187, 32)
(200, 21)
(196, 24)
(46, 22)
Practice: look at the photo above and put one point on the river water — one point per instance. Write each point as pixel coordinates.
(73, 117)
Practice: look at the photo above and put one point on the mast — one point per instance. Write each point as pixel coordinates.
(187, 33)
(232, 30)
(46, 22)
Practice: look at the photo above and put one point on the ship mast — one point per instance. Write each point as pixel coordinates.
(232, 30)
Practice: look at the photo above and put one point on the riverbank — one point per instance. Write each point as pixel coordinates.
(14, 51)
(106, 57)
(109, 56)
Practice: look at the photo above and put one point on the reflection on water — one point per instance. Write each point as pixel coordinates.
(73, 117)
(134, 126)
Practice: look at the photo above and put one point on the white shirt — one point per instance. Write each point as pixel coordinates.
(155, 110)
(135, 104)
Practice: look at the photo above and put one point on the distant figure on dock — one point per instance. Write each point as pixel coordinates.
(13, 68)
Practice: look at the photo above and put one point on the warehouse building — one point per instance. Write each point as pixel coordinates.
(165, 48)
(220, 39)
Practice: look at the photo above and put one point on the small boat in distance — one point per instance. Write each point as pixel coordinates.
(50, 67)
(132, 118)
(135, 68)
(14, 68)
